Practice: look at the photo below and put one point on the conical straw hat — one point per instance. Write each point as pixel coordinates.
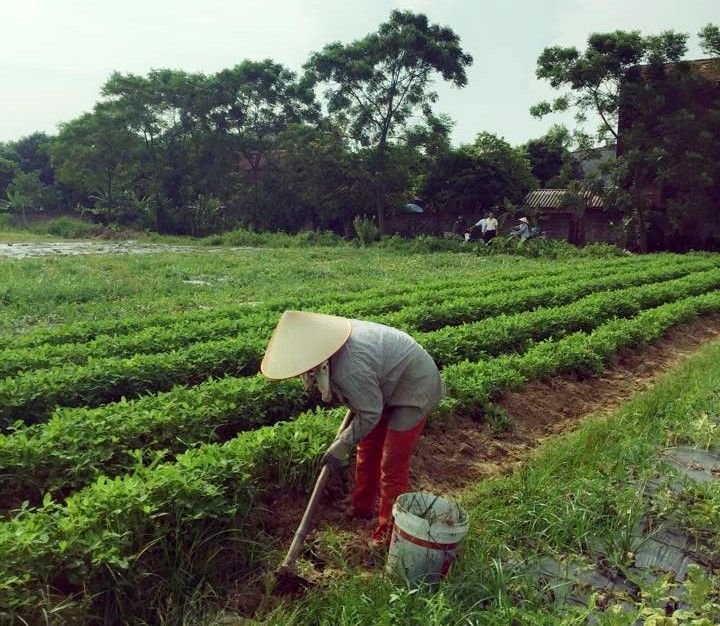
(301, 341)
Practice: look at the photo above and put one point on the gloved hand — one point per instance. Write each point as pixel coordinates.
(333, 463)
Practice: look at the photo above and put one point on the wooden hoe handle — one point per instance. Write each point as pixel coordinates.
(304, 527)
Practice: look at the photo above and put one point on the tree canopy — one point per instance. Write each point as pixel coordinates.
(377, 83)
(357, 134)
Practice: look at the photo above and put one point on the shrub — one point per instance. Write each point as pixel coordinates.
(421, 244)
(72, 228)
(366, 229)
(318, 238)
(7, 221)
(547, 248)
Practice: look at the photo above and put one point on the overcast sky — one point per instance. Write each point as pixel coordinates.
(56, 54)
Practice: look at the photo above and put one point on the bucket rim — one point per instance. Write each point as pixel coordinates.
(463, 516)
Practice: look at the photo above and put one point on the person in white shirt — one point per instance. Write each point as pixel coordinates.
(490, 227)
(479, 224)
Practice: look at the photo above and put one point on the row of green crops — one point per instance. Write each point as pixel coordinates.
(505, 333)
(29, 396)
(384, 299)
(471, 309)
(190, 518)
(117, 545)
(486, 284)
(150, 340)
(184, 330)
(470, 386)
(86, 331)
(78, 444)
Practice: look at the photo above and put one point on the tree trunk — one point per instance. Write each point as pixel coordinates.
(640, 226)
(380, 185)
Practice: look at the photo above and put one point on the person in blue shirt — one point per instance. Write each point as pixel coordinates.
(522, 230)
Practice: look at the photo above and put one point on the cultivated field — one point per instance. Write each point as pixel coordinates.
(141, 447)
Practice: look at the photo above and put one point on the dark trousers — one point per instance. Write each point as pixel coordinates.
(488, 235)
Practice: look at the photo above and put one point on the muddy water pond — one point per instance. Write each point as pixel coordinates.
(71, 248)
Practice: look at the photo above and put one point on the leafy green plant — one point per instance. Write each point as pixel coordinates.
(72, 228)
(127, 534)
(29, 396)
(471, 385)
(365, 229)
(551, 293)
(76, 446)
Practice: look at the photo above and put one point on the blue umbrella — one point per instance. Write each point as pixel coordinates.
(413, 208)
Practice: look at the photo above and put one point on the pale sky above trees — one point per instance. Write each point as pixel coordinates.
(57, 53)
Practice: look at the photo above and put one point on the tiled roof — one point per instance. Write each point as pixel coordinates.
(553, 199)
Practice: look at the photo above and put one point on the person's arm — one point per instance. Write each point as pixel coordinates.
(363, 396)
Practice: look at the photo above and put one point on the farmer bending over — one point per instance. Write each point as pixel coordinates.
(384, 376)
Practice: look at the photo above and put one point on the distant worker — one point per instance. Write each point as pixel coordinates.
(477, 226)
(522, 230)
(388, 381)
(459, 227)
(491, 225)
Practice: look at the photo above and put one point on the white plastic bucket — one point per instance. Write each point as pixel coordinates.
(425, 538)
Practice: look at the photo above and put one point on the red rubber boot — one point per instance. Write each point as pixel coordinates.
(394, 476)
(367, 472)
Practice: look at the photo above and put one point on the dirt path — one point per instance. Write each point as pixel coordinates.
(453, 453)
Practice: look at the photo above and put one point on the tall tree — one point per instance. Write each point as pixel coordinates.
(379, 82)
(254, 102)
(648, 100)
(27, 193)
(8, 170)
(511, 164)
(155, 109)
(478, 177)
(593, 78)
(710, 39)
(201, 133)
(247, 110)
(668, 172)
(97, 155)
(550, 158)
(31, 155)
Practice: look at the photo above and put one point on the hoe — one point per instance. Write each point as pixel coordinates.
(288, 581)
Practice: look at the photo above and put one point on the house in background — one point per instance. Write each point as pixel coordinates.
(576, 217)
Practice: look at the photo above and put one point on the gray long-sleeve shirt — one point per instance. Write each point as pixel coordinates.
(383, 370)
